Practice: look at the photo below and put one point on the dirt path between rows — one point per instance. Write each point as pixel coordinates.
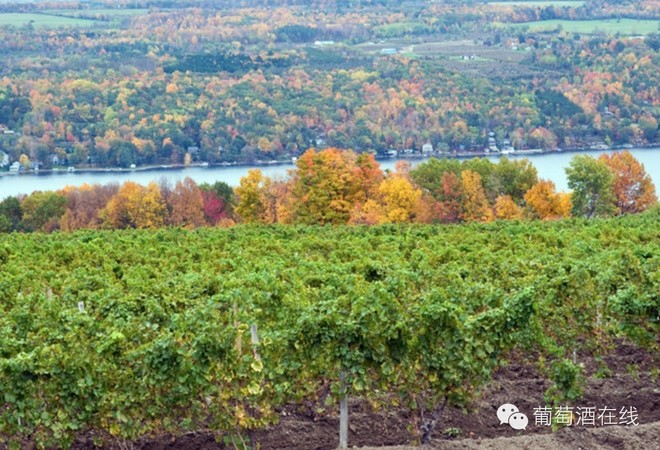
(630, 380)
(643, 437)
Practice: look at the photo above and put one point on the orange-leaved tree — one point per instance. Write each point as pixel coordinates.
(449, 207)
(368, 176)
(84, 205)
(633, 188)
(186, 204)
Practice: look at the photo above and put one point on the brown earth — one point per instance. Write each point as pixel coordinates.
(632, 381)
(643, 437)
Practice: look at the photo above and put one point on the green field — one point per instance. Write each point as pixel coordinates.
(623, 26)
(400, 29)
(96, 13)
(559, 3)
(42, 20)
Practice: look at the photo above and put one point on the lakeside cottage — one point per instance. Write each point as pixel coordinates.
(427, 149)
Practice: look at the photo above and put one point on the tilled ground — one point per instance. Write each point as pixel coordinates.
(630, 383)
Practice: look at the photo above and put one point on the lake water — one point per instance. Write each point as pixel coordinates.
(549, 166)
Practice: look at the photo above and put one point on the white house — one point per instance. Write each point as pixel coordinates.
(427, 149)
(15, 167)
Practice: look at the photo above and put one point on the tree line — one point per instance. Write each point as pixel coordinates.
(341, 187)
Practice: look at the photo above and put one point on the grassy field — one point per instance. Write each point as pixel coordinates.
(95, 13)
(558, 3)
(623, 26)
(400, 29)
(42, 20)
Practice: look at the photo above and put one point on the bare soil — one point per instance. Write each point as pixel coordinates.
(632, 381)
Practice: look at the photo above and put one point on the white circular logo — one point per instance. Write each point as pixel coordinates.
(505, 411)
(518, 421)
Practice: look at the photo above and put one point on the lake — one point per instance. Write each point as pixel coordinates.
(549, 166)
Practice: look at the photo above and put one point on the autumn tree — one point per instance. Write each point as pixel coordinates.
(475, 204)
(42, 211)
(251, 197)
(278, 200)
(592, 183)
(323, 187)
(367, 178)
(507, 209)
(449, 206)
(633, 187)
(24, 161)
(400, 199)
(440, 179)
(218, 201)
(545, 203)
(186, 204)
(214, 208)
(543, 138)
(368, 213)
(431, 176)
(135, 206)
(649, 126)
(84, 205)
(485, 168)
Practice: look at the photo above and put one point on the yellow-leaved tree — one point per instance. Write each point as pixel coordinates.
(506, 208)
(475, 203)
(136, 206)
(251, 195)
(400, 199)
(546, 204)
(323, 187)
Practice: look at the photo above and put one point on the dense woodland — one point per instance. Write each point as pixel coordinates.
(341, 187)
(253, 80)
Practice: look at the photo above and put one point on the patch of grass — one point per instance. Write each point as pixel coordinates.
(623, 26)
(452, 432)
(98, 13)
(557, 3)
(43, 20)
(633, 371)
(603, 371)
(401, 29)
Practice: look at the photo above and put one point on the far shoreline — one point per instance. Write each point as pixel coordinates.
(257, 164)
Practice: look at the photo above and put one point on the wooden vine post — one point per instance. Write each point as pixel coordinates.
(343, 411)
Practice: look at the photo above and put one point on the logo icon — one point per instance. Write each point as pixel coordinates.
(508, 413)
